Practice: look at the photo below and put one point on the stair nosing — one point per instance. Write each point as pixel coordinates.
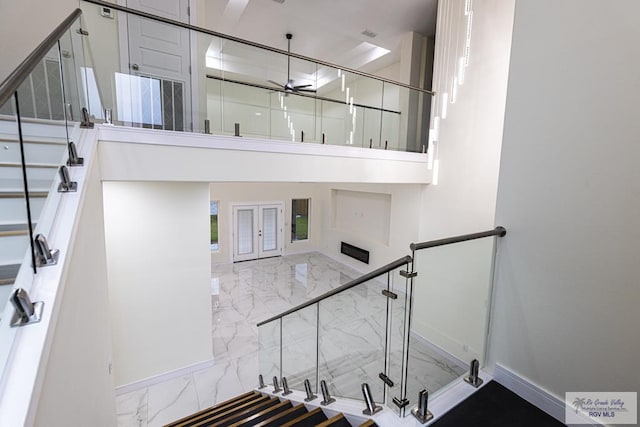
(220, 405)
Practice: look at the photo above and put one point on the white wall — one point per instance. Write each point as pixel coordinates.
(402, 230)
(468, 151)
(78, 385)
(13, 18)
(159, 270)
(566, 309)
(326, 231)
(229, 193)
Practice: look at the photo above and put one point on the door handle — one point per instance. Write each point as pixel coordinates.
(135, 67)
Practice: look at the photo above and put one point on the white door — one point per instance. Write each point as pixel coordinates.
(258, 231)
(160, 55)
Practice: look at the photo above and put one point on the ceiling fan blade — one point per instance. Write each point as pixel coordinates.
(301, 86)
(277, 84)
(306, 90)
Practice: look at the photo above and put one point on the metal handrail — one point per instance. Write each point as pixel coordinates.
(250, 43)
(498, 231)
(365, 278)
(11, 84)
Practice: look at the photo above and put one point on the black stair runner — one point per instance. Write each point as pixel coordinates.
(254, 409)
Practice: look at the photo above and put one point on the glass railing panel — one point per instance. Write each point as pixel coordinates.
(14, 229)
(352, 340)
(348, 101)
(269, 350)
(44, 131)
(394, 117)
(398, 310)
(101, 62)
(85, 72)
(302, 104)
(451, 306)
(207, 97)
(72, 60)
(300, 347)
(251, 79)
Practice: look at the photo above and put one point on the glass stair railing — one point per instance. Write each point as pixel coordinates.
(40, 109)
(413, 327)
(159, 73)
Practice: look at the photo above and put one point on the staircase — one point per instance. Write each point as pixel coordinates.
(255, 409)
(45, 144)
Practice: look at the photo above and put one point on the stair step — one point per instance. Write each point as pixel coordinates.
(241, 415)
(264, 415)
(309, 419)
(220, 407)
(29, 165)
(368, 423)
(207, 419)
(19, 194)
(8, 273)
(335, 421)
(283, 417)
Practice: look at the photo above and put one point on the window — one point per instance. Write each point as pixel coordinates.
(214, 225)
(299, 219)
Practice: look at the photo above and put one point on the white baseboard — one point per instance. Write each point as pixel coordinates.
(165, 376)
(439, 350)
(532, 393)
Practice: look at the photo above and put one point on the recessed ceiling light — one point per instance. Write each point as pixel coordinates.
(279, 1)
(367, 33)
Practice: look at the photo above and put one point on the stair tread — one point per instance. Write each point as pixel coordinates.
(283, 417)
(311, 418)
(264, 414)
(13, 194)
(335, 421)
(29, 165)
(227, 421)
(215, 416)
(368, 423)
(226, 404)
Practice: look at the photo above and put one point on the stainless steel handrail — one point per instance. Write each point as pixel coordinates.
(498, 231)
(365, 278)
(11, 84)
(250, 43)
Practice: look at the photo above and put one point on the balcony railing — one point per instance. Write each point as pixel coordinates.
(41, 105)
(160, 73)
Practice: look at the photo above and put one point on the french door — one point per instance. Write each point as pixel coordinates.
(257, 231)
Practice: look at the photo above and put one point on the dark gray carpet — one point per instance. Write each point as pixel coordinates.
(495, 406)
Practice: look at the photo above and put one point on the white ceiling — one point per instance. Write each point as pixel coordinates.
(329, 30)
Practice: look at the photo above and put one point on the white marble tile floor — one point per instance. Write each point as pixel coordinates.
(352, 338)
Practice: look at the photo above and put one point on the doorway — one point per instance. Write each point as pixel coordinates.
(258, 231)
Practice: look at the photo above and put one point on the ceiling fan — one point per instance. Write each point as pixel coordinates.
(289, 87)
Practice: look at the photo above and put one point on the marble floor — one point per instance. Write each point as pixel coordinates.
(352, 335)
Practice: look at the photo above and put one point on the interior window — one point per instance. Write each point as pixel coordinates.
(299, 219)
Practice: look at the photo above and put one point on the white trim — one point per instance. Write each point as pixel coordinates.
(439, 350)
(166, 376)
(534, 394)
(222, 142)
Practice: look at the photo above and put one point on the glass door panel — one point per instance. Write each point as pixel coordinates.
(245, 230)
